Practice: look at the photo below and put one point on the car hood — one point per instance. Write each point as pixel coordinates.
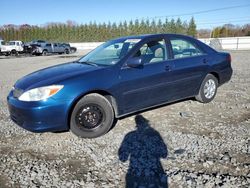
(53, 75)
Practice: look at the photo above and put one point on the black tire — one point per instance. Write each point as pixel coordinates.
(13, 53)
(66, 51)
(45, 52)
(72, 49)
(206, 97)
(92, 116)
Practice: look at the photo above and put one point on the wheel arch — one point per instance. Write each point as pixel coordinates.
(216, 75)
(104, 93)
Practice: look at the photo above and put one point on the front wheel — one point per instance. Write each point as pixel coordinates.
(66, 51)
(92, 116)
(208, 89)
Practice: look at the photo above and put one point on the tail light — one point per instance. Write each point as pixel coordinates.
(229, 59)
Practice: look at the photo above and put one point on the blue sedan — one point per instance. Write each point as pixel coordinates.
(120, 77)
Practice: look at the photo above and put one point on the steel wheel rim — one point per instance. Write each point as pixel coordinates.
(209, 88)
(89, 116)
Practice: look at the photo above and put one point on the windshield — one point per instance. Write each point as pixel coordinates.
(110, 52)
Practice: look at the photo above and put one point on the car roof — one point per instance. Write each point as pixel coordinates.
(205, 47)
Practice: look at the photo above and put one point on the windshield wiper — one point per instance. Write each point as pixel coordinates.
(88, 63)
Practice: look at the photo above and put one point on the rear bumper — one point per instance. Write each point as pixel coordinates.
(39, 116)
(225, 75)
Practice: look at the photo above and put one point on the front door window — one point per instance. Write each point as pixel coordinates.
(152, 52)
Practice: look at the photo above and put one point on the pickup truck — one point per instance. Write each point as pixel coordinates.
(12, 48)
(1, 43)
(51, 48)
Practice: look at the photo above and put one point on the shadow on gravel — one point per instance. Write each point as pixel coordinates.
(143, 148)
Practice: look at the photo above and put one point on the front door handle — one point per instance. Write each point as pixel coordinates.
(204, 61)
(167, 68)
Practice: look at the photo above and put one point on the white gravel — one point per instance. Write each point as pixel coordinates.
(186, 144)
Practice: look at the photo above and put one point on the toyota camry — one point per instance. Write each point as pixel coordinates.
(118, 78)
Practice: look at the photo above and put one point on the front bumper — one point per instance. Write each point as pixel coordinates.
(40, 116)
(36, 51)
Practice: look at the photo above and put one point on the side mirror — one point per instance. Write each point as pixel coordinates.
(116, 46)
(135, 62)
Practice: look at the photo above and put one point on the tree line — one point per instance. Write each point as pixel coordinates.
(93, 32)
(226, 30)
(230, 30)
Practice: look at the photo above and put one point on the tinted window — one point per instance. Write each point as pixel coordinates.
(183, 48)
(48, 44)
(153, 51)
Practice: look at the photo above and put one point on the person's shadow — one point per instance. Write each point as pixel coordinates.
(143, 148)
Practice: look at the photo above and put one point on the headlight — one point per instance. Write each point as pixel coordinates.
(40, 93)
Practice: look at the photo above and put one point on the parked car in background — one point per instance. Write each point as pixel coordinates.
(12, 48)
(31, 46)
(120, 77)
(51, 48)
(1, 43)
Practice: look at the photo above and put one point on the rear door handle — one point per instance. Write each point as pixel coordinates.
(204, 61)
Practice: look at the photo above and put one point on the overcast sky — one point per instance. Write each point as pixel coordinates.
(39, 12)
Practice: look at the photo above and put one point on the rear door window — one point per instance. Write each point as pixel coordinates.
(183, 48)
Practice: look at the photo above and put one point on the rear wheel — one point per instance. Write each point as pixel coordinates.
(208, 89)
(92, 116)
(45, 52)
(13, 53)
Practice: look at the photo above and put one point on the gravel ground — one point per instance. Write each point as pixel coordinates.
(185, 144)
